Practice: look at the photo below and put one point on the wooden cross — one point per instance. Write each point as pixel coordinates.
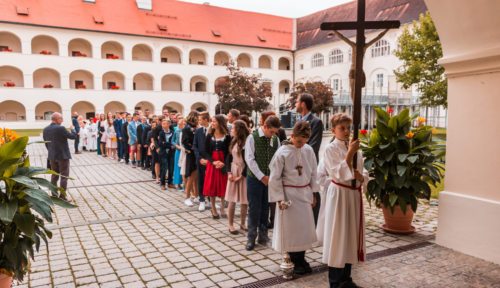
(359, 50)
(299, 168)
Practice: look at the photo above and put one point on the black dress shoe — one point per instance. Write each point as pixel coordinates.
(299, 270)
(349, 284)
(263, 241)
(250, 245)
(307, 268)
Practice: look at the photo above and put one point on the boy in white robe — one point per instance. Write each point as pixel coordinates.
(293, 178)
(92, 136)
(341, 226)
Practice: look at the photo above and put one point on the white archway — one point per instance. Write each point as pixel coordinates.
(171, 82)
(143, 81)
(113, 81)
(111, 50)
(9, 42)
(198, 84)
(244, 60)
(79, 48)
(12, 111)
(142, 52)
(174, 107)
(81, 79)
(114, 106)
(11, 77)
(43, 44)
(45, 109)
(197, 57)
(46, 78)
(84, 108)
(171, 55)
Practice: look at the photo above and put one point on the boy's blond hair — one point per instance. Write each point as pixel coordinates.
(340, 118)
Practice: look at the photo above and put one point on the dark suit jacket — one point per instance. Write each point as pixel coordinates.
(199, 144)
(140, 131)
(117, 123)
(316, 133)
(165, 142)
(188, 138)
(75, 123)
(124, 132)
(145, 136)
(58, 146)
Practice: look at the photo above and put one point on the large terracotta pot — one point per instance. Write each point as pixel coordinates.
(5, 281)
(398, 223)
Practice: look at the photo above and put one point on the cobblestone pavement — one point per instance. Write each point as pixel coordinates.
(426, 267)
(126, 232)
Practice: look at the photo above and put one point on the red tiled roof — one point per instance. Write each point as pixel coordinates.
(183, 20)
(309, 33)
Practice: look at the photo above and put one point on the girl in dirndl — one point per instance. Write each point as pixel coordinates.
(216, 150)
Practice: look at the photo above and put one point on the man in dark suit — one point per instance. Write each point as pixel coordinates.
(117, 124)
(200, 136)
(304, 105)
(124, 133)
(75, 123)
(57, 137)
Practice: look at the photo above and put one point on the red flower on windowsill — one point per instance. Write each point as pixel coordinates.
(48, 86)
(9, 84)
(5, 50)
(363, 132)
(114, 57)
(389, 110)
(79, 54)
(82, 86)
(114, 87)
(45, 52)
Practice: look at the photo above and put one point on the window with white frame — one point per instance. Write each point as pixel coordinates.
(335, 56)
(336, 84)
(381, 48)
(317, 60)
(380, 80)
(349, 54)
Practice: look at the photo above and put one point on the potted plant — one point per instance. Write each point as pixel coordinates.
(5, 49)
(48, 86)
(81, 86)
(403, 163)
(45, 52)
(9, 84)
(25, 206)
(115, 87)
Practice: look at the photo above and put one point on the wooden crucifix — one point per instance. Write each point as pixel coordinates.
(356, 74)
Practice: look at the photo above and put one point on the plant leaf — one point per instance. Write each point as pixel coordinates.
(10, 152)
(402, 157)
(59, 202)
(401, 170)
(26, 181)
(413, 159)
(8, 210)
(25, 223)
(393, 198)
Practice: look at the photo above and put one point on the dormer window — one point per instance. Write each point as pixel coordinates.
(145, 4)
(262, 38)
(162, 27)
(23, 11)
(98, 19)
(216, 33)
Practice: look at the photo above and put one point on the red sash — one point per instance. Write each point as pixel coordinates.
(361, 252)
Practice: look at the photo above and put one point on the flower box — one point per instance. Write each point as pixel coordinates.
(9, 84)
(48, 86)
(45, 52)
(5, 49)
(79, 54)
(112, 56)
(114, 87)
(81, 86)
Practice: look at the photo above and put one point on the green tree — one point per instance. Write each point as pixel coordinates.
(322, 94)
(420, 49)
(241, 91)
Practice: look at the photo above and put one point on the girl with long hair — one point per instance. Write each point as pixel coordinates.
(190, 169)
(236, 190)
(216, 151)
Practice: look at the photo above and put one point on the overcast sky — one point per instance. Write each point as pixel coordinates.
(287, 8)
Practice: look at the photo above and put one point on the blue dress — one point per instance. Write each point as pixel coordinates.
(177, 169)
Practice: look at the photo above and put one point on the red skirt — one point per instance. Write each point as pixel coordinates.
(215, 179)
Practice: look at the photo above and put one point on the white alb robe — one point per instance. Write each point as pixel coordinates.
(92, 137)
(339, 216)
(297, 223)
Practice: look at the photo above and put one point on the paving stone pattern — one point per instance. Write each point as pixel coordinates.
(126, 232)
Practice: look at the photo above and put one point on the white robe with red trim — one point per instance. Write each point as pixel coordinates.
(297, 223)
(340, 214)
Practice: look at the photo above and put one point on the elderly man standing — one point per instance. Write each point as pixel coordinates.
(57, 137)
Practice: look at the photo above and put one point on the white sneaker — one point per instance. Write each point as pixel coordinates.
(121, 160)
(201, 208)
(217, 206)
(194, 200)
(188, 202)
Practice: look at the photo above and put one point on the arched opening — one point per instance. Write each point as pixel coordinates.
(171, 55)
(84, 108)
(244, 60)
(284, 87)
(200, 107)
(111, 50)
(199, 84)
(284, 64)
(45, 109)
(46, 78)
(81, 79)
(12, 111)
(143, 81)
(114, 106)
(171, 82)
(45, 45)
(265, 62)
(147, 107)
(79, 48)
(218, 82)
(11, 77)
(197, 57)
(10, 43)
(221, 58)
(113, 81)
(381, 48)
(142, 52)
(174, 107)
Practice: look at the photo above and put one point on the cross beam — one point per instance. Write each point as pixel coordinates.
(360, 26)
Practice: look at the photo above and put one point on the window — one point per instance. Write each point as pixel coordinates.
(349, 54)
(380, 80)
(335, 56)
(381, 48)
(164, 59)
(216, 33)
(317, 60)
(98, 19)
(335, 85)
(162, 27)
(145, 4)
(111, 84)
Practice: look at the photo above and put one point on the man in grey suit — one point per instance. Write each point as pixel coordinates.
(304, 105)
(57, 137)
